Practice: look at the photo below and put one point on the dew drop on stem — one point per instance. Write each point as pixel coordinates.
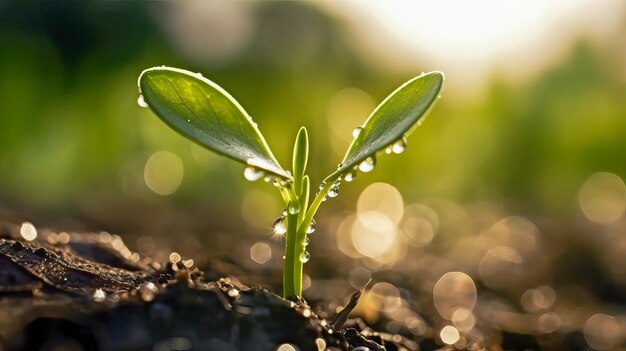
(305, 257)
(141, 102)
(368, 164)
(399, 146)
(356, 131)
(279, 226)
(294, 207)
(252, 174)
(311, 228)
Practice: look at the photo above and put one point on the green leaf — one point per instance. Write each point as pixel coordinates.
(393, 119)
(205, 113)
(300, 158)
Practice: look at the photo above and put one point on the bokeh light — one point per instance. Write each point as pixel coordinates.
(603, 332)
(382, 198)
(449, 335)
(260, 252)
(164, 172)
(602, 198)
(28, 231)
(454, 290)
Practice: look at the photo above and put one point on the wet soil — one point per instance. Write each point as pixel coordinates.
(70, 291)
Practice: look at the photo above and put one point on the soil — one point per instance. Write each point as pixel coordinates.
(87, 291)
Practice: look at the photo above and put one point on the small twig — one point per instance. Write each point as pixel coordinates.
(342, 316)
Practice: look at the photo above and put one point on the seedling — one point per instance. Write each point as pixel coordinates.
(202, 111)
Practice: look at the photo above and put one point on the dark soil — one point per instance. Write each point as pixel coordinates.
(73, 291)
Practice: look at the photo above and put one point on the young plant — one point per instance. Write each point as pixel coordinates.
(202, 111)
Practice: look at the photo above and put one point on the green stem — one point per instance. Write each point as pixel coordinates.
(295, 248)
(289, 284)
(317, 201)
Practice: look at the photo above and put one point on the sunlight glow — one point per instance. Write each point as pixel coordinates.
(471, 40)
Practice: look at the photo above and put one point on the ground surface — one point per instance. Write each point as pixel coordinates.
(61, 291)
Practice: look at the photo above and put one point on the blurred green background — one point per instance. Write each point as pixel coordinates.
(73, 140)
(515, 178)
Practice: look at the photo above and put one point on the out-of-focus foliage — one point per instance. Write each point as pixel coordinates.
(70, 127)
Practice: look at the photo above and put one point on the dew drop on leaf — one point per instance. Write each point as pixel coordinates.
(268, 179)
(305, 257)
(399, 146)
(356, 131)
(368, 164)
(252, 174)
(334, 190)
(388, 150)
(311, 227)
(141, 102)
(279, 226)
(350, 176)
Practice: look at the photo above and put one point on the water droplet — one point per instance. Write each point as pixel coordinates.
(276, 183)
(294, 207)
(268, 179)
(141, 102)
(305, 257)
(311, 228)
(368, 164)
(350, 176)
(99, 295)
(356, 131)
(334, 190)
(279, 226)
(306, 241)
(325, 198)
(199, 75)
(284, 212)
(252, 174)
(388, 150)
(399, 146)
(339, 165)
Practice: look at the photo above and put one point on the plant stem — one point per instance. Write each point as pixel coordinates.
(289, 285)
(295, 236)
(317, 201)
(289, 281)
